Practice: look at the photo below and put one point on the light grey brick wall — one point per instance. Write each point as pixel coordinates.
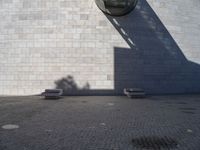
(43, 42)
(182, 19)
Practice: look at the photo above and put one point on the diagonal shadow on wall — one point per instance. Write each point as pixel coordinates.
(154, 61)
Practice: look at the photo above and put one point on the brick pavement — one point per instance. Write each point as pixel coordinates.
(100, 123)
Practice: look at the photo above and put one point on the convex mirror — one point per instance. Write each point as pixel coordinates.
(116, 7)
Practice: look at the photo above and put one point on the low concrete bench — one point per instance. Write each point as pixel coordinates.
(53, 93)
(134, 93)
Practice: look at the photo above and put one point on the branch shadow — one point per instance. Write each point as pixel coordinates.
(70, 87)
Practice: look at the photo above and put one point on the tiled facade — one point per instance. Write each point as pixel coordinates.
(43, 42)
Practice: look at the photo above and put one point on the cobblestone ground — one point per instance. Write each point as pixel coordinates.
(100, 123)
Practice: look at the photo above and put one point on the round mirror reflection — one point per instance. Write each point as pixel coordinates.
(116, 7)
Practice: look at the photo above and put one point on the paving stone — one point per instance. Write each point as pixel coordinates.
(73, 124)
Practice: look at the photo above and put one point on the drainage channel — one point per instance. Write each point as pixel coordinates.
(154, 143)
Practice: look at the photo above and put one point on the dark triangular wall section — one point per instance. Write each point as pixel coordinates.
(154, 61)
(156, 74)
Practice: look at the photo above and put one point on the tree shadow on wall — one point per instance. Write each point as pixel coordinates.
(154, 61)
(70, 87)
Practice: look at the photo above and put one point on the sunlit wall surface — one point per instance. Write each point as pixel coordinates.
(182, 19)
(45, 42)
